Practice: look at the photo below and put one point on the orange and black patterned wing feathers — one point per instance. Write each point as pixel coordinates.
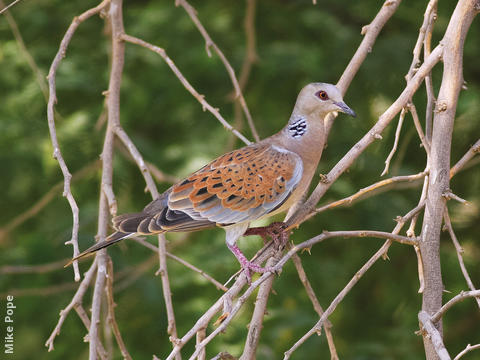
(242, 185)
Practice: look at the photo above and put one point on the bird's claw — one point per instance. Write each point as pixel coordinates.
(276, 231)
(249, 267)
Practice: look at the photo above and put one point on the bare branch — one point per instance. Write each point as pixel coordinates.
(154, 248)
(107, 204)
(427, 48)
(8, 6)
(395, 142)
(210, 44)
(327, 325)
(111, 312)
(249, 60)
(369, 190)
(184, 81)
(456, 299)
(339, 298)
(439, 165)
(167, 294)
(201, 334)
(459, 250)
(466, 350)
(76, 300)
(82, 314)
(474, 150)
(52, 99)
(371, 32)
(226, 298)
(418, 127)
(256, 323)
(434, 336)
(380, 253)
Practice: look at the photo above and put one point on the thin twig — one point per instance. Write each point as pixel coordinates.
(52, 99)
(466, 350)
(111, 312)
(456, 299)
(132, 149)
(76, 300)
(418, 127)
(459, 250)
(369, 189)
(256, 323)
(412, 70)
(210, 44)
(249, 59)
(474, 150)
(395, 142)
(167, 293)
(82, 314)
(185, 263)
(327, 325)
(370, 32)
(427, 48)
(158, 174)
(8, 6)
(186, 84)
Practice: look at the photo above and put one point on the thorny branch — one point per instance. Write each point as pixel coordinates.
(184, 81)
(210, 44)
(459, 250)
(52, 99)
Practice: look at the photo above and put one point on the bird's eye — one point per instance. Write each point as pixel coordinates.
(322, 95)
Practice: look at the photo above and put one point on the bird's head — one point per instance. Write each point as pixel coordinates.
(321, 99)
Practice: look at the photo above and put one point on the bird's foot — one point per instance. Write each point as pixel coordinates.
(248, 266)
(276, 231)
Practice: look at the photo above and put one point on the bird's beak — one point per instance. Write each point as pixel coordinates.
(345, 109)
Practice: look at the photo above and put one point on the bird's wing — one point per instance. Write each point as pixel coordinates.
(242, 185)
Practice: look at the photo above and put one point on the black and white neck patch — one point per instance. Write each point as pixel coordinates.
(298, 128)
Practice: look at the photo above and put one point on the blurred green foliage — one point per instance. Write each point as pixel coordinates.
(297, 43)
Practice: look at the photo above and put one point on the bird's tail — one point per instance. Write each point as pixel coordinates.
(112, 239)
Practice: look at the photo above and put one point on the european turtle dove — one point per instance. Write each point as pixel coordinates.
(254, 182)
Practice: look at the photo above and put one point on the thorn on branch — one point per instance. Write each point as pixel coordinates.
(324, 179)
(449, 195)
(440, 106)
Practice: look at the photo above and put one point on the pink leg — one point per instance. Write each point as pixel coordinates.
(247, 265)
